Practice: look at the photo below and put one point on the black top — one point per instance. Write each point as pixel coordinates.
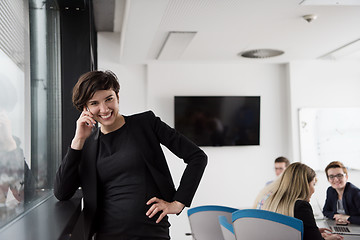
(125, 185)
(350, 200)
(304, 212)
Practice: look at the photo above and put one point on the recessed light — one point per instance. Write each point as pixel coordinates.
(261, 53)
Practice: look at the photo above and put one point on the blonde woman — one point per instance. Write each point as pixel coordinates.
(291, 196)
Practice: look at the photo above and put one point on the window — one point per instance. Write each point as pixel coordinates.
(29, 104)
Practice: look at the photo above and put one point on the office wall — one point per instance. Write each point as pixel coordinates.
(232, 171)
(321, 84)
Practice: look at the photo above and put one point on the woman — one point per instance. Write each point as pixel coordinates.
(342, 198)
(121, 168)
(291, 197)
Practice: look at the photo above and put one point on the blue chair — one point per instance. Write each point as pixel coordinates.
(254, 224)
(226, 228)
(204, 221)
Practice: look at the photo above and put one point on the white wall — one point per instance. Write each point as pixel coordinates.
(321, 84)
(234, 175)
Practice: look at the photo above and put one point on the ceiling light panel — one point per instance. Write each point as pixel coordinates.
(348, 51)
(331, 2)
(141, 21)
(175, 45)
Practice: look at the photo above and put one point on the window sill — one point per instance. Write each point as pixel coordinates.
(52, 219)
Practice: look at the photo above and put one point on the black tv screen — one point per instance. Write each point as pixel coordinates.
(219, 120)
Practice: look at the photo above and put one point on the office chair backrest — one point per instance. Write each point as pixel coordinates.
(226, 228)
(204, 221)
(254, 224)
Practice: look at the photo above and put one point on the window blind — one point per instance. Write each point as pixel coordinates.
(14, 29)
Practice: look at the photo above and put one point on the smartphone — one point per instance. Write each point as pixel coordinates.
(94, 124)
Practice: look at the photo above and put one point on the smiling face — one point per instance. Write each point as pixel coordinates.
(104, 106)
(337, 178)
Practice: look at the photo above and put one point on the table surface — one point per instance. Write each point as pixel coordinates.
(322, 223)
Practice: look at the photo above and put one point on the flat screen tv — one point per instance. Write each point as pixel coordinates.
(219, 120)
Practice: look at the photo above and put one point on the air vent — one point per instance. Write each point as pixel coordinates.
(261, 53)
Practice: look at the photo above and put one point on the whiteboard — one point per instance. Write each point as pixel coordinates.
(329, 134)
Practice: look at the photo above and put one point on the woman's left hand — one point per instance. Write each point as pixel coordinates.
(341, 218)
(164, 207)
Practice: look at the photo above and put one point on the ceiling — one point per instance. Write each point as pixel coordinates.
(217, 30)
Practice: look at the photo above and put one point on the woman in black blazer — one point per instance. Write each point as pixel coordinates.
(342, 198)
(120, 166)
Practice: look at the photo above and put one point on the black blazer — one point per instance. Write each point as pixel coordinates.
(304, 212)
(78, 168)
(351, 202)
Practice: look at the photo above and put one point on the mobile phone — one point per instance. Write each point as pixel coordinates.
(87, 108)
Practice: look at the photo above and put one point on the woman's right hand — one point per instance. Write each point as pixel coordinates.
(84, 126)
(331, 236)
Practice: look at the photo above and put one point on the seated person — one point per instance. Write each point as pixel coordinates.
(280, 164)
(342, 198)
(290, 195)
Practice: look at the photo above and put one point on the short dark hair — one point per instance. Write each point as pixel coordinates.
(91, 82)
(335, 164)
(282, 159)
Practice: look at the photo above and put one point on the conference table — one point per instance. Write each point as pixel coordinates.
(324, 223)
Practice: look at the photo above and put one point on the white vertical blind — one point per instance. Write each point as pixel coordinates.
(14, 29)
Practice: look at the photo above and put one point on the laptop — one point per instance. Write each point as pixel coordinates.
(351, 229)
